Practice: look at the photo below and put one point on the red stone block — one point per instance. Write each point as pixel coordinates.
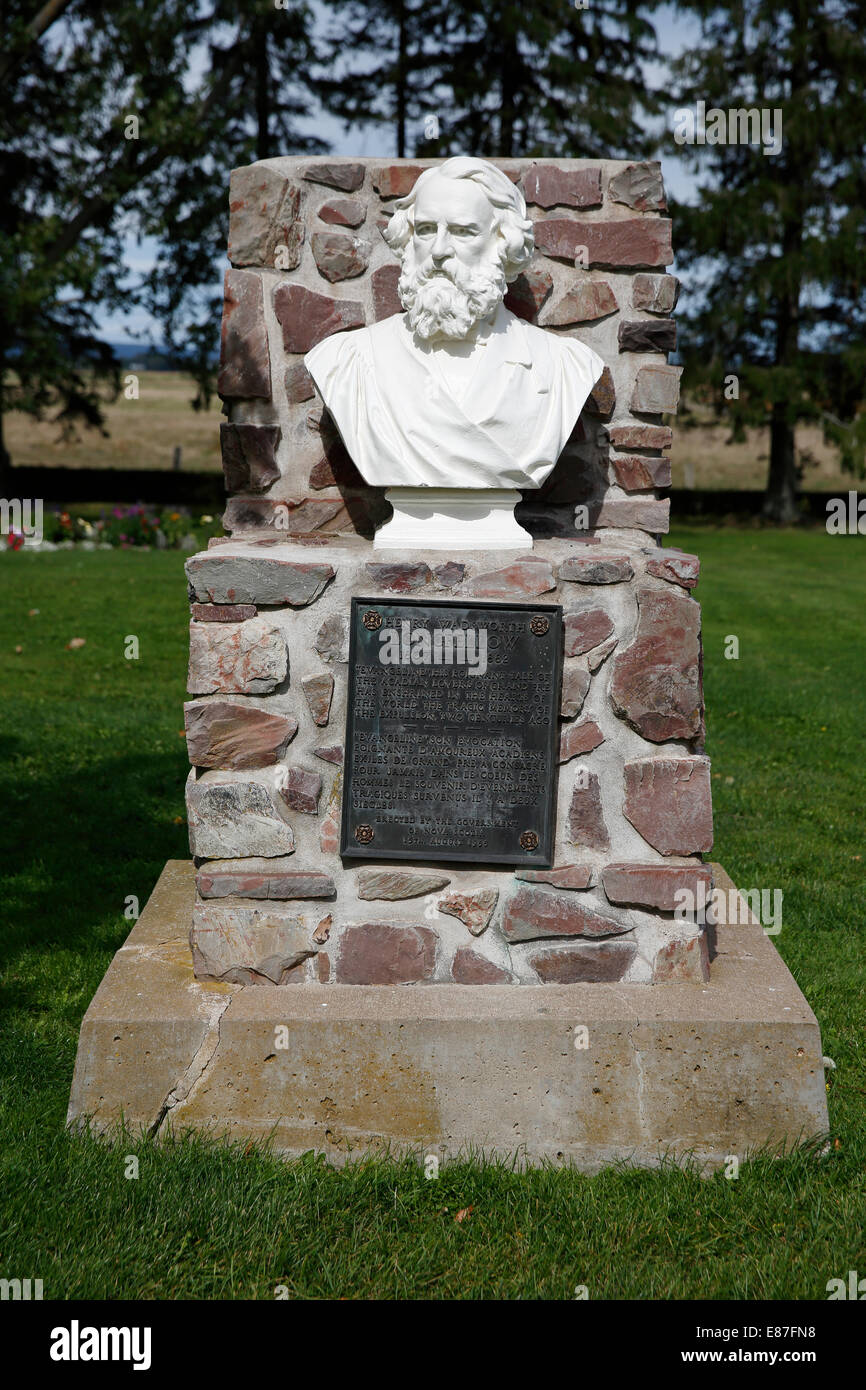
(336, 468)
(602, 397)
(245, 360)
(222, 612)
(470, 968)
(332, 754)
(654, 885)
(631, 513)
(319, 692)
(631, 241)
(449, 575)
(584, 629)
(473, 909)
(676, 567)
(566, 876)
(329, 834)
(527, 293)
(399, 576)
(647, 335)
(589, 300)
(377, 954)
(587, 827)
(633, 472)
(225, 734)
(396, 180)
(657, 389)
(575, 684)
(299, 384)
(640, 436)
(599, 655)
(669, 802)
(345, 176)
(302, 790)
(306, 317)
(656, 684)
(584, 963)
(547, 186)
(273, 879)
(534, 913)
(596, 569)
(343, 212)
(522, 579)
(249, 456)
(340, 256)
(386, 300)
(658, 294)
(683, 961)
(579, 738)
(286, 519)
(264, 211)
(247, 658)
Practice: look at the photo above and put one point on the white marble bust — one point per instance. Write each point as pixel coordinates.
(456, 393)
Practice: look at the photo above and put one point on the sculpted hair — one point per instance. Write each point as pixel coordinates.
(518, 242)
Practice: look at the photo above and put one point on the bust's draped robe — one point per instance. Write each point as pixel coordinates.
(406, 425)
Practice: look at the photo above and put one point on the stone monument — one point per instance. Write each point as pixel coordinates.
(446, 719)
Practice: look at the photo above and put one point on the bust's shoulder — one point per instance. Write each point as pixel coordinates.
(547, 348)
(358, 343)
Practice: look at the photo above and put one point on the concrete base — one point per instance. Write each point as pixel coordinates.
(674, 1069)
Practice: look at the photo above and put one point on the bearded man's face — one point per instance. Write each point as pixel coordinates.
(452, 271)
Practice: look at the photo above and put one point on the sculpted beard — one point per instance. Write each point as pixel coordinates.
(449, 304)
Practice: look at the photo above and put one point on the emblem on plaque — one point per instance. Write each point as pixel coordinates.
(529, 840)
(364, 834)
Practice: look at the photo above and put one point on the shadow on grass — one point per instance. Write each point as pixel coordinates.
(78, 847)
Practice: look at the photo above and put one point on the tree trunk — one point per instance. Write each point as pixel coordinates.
(780, 503)
(509, 81)
(263, 96)
(5, 457)
(401, 102)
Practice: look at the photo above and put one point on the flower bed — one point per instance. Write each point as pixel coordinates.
(124, 528)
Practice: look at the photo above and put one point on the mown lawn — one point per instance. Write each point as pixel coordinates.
(92, 795)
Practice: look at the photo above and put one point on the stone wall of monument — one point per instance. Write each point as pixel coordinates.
(269, 680)
(308, 259)
(271, 602)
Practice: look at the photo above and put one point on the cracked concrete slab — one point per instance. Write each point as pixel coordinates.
(677, 1069)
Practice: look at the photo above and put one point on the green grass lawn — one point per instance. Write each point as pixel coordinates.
(92, 794)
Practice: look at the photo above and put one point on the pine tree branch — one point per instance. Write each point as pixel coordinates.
(34, 31)
(129, 170)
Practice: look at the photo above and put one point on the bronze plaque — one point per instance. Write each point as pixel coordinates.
(452, 732)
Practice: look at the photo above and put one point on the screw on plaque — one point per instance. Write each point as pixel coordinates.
(539, 624)
(372, 619)
(364, 834)
(529, 840)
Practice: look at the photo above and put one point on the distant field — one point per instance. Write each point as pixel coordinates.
(141, 434)
(144, 433)
(701, 458)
